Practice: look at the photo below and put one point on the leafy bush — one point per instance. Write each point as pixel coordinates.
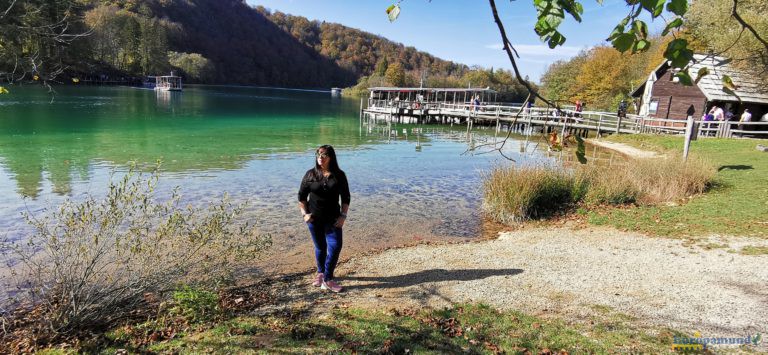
(89, 263)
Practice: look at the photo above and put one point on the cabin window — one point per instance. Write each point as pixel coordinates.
(654, 105)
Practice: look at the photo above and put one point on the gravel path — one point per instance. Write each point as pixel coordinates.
(624, 149)
(566, 272)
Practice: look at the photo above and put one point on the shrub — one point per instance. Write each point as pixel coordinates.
(514, 194)
(90, 263)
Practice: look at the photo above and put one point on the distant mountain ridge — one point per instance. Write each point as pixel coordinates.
(230, 42)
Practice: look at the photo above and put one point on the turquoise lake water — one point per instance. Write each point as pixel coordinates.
(253, 144)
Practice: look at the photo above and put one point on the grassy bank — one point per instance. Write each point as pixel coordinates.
(253, 321)
(460, 329)
(736, 205)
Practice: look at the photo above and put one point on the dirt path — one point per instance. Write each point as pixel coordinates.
(567, 272)
(624, 149)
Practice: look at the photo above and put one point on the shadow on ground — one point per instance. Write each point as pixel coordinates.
(735, 167)
(420, 277)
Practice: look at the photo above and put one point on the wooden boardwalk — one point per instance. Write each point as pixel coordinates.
(549, 119)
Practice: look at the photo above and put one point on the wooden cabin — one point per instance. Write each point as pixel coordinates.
(662, 96)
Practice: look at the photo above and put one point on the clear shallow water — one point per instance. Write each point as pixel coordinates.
(253, 144)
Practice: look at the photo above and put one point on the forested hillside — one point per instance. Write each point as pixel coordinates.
(209, 41)
(360, 52)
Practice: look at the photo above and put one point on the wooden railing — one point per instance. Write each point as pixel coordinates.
(600, 122)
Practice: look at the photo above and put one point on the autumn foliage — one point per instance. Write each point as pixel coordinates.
(601, 77)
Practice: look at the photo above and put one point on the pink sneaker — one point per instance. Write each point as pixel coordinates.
(331, 285)
(318, 280)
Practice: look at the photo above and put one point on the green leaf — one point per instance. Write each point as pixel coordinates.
(676, 23)
(655, 7)
(556, 40)
(678, 54)
(640, 28)
(731, 92)
(616, 32)
(575, 9)
(678, 7)
(641, 46)
(623, 42)
(728, 83)
(393, 11)
(684, 77)
(700, 74)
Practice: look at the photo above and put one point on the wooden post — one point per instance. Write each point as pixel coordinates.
(562, 134)
(618, 125)
(530, 124)
(361, 109)
(599, 124)
(689, 136)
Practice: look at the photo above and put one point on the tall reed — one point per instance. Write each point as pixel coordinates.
(514, 194)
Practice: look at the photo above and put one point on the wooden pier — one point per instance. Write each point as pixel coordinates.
(460, 106)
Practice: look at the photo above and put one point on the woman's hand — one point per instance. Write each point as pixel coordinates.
(308, 217)
(340, 222)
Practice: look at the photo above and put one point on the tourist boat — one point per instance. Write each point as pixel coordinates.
(168, 83)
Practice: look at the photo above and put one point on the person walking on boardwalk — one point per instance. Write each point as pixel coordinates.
(319, 194)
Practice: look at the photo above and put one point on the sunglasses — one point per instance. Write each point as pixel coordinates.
(322, 155)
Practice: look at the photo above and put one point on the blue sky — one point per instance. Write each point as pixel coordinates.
(463, 30)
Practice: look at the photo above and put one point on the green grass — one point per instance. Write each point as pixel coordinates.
(737, 205)
(462, 328)
(753, 250)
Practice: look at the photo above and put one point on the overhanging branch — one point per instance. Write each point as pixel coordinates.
(746, 25)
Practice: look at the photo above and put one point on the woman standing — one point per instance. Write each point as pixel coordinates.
(319, 194)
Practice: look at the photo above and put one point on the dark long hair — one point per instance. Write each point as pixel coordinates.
(333, 166)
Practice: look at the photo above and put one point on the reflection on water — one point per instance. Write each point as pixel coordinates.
(420, 183)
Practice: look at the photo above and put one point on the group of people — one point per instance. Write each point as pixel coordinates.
(716, 113)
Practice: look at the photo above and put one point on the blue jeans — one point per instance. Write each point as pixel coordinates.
(328, 242)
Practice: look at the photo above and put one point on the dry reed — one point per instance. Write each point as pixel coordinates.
(514, 194)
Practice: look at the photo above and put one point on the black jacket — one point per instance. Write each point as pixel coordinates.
(323, 194)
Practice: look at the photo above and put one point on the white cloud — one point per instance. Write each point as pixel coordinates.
(541, 50)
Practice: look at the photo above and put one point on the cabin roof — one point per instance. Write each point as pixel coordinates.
(407, 89)
(749, 88)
